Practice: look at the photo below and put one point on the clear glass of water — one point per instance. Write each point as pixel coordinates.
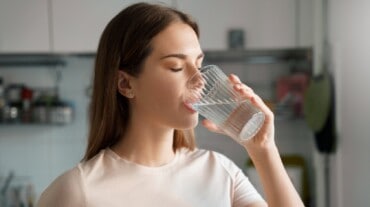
(211, 93)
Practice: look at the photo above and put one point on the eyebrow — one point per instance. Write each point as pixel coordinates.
(181, 56)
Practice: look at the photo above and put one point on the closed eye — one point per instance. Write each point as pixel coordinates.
(176, 69)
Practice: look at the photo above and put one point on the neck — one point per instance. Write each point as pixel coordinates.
(150, 146)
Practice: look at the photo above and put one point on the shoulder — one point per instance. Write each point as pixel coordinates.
(220, 169)
(211, 159)
(201, 153)
(72, 187)
(65, 190)
(207, 154)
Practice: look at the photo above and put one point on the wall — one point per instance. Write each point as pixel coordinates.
(38, 154)
(349, 40)
(267, 24)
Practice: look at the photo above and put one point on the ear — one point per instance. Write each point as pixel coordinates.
(124, 84)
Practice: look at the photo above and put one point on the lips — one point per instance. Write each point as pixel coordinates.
(192, 97)
(189, 107)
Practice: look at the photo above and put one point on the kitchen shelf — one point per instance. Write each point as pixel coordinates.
(32, 124)
(31, 60)
(261, 56)
(11, 60)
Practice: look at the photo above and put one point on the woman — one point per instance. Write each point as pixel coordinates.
(141, 149)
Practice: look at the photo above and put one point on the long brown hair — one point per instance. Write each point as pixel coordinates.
(124, 45)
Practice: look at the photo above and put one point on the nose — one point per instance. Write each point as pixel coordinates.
(192, 69)
(196, 81)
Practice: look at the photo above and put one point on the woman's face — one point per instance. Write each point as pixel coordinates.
(160, 88)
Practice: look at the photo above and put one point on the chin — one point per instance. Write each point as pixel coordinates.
(189, 123)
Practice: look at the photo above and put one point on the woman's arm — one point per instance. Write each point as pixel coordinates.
(278, 188)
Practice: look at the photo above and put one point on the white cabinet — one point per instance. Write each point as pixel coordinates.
(77, 25)
(58, 26)
(24, 26)
(266, 24)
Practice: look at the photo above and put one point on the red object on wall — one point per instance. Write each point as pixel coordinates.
(295, 85)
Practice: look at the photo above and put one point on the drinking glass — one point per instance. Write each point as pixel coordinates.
(211, 93)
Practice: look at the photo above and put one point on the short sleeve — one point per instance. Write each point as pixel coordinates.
(64, 191)
(244, 193)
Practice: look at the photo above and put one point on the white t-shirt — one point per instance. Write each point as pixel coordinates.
(193, 178)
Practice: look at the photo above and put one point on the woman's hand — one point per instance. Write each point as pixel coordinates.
(278, 188)
(265, 136)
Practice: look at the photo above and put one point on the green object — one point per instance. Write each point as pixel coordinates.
(317, 102)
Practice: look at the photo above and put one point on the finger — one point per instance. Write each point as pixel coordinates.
(210, 125)
(243, 90)
(238, 85)
(258, 102)
(234, 79)
(247, 92)
(243, 87)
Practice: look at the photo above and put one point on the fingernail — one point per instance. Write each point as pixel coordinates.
(235, 77)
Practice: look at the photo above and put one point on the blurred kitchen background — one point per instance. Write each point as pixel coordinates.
(278, 47)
